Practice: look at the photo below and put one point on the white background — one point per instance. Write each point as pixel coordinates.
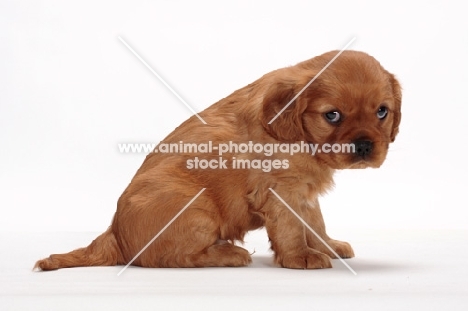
(70, 92)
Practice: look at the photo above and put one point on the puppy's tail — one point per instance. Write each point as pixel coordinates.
(103, 251)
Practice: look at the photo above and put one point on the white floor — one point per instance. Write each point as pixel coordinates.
(396, 270)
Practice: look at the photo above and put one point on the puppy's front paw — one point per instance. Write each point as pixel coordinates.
(310, 259)
(343, 249)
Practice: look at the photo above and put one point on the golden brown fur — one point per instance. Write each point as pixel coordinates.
(238, 200)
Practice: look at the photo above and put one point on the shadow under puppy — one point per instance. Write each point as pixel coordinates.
(354, 101)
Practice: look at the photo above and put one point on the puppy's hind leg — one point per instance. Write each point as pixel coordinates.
(193, 240)
(222, 254)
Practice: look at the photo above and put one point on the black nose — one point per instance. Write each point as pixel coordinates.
(363, 148)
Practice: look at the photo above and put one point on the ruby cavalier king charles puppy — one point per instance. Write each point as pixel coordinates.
(355, 101)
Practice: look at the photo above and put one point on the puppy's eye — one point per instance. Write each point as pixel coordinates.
(382, 112)
(333, 116)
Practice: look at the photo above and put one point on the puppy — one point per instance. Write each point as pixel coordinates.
(354, 101)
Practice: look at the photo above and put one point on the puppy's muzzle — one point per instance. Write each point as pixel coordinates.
(363, 148)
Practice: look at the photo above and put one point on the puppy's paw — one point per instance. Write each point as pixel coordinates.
(223, 255)
(343, 249)
(310, 259)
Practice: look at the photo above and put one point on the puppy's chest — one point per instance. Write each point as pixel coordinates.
(299, 189)
(305, 191)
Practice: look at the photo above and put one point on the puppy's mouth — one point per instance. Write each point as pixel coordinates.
(358, 154)
(361, 164)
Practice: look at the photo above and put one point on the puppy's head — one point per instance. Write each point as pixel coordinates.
(351, 110)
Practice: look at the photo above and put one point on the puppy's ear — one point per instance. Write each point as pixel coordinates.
(397, 110)
(287, 126)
